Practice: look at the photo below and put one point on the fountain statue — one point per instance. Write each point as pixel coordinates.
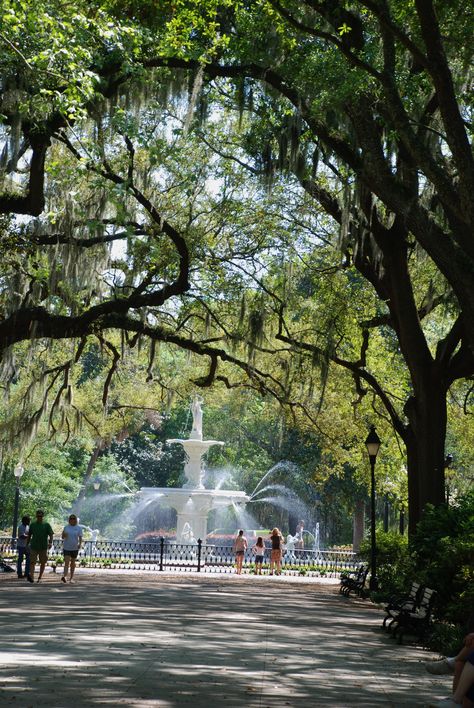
(196, 410)
(195, 447)
(193, 501)
(187, 535)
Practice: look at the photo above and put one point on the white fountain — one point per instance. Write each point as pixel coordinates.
(193, 501)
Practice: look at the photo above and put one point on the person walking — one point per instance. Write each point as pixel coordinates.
(259, 550)
(239, 548)
(40, 540)
(22, 548)
(72, 541)
(277, 551)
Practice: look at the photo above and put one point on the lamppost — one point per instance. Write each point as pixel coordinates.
(18, 472)
(372, 444)
(448, 461)
(402, 502)
(96, 485)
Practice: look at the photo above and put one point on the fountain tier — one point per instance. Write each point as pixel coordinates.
(193, 466)
(193, 507)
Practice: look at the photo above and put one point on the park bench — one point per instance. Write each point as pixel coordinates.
(5, 567)
(417, 621)
(397, 604)
(355, 582)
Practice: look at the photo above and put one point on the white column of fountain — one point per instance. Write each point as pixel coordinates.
(193, 502)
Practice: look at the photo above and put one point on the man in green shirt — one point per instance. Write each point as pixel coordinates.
(40, 539)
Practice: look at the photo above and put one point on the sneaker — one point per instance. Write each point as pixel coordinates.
(30, 579)
(445, 703)
(20, 577)
(63, 579)
(443, 666)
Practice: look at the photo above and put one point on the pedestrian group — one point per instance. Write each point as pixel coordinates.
(259, 549)
(35, 539)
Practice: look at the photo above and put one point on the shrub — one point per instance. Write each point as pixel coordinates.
(440, 555)
(394, 564)
(443, 549)
(220, 539)
(445, 639)
(155, 536)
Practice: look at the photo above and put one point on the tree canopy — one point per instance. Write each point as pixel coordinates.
(160, 160)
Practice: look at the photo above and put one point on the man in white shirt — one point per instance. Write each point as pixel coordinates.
(72, 540)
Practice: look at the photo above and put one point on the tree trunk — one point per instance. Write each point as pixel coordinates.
(88, 475)
(358, 525)
(426, 409)
(293, 520)
(425, 450)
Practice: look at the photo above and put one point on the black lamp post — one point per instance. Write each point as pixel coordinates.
(18, 472)
(372, 444)
(96, 484)
(448, 461)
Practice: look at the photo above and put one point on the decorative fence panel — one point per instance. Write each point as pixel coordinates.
(164, 555)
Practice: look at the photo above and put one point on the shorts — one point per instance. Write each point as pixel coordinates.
(276, 554)
(258, 559)
(72, 554)
(41, 555)
(239, 553)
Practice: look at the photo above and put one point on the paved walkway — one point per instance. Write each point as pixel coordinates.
(202, 641)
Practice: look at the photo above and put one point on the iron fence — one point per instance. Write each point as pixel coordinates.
(183, 557)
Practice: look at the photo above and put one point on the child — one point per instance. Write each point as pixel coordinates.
(259, 550)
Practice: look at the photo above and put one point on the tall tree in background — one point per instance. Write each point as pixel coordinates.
(378, 92)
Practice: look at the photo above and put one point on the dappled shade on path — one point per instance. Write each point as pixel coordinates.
(182, 641)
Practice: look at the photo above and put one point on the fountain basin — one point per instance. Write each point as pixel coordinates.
(193, 506)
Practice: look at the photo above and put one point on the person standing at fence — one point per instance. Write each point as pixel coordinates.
(299, 539)
(259, 550)
(22, 548)
(239, 548)
(40, 540)
(277, 551)
(72, 541)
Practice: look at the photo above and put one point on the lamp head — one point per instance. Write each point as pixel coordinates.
(18, 471)
(372, 443)
(96, 484)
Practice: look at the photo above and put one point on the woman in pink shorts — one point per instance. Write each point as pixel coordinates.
(277, 551)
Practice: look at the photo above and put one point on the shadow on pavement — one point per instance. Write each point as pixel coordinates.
(154, 641)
